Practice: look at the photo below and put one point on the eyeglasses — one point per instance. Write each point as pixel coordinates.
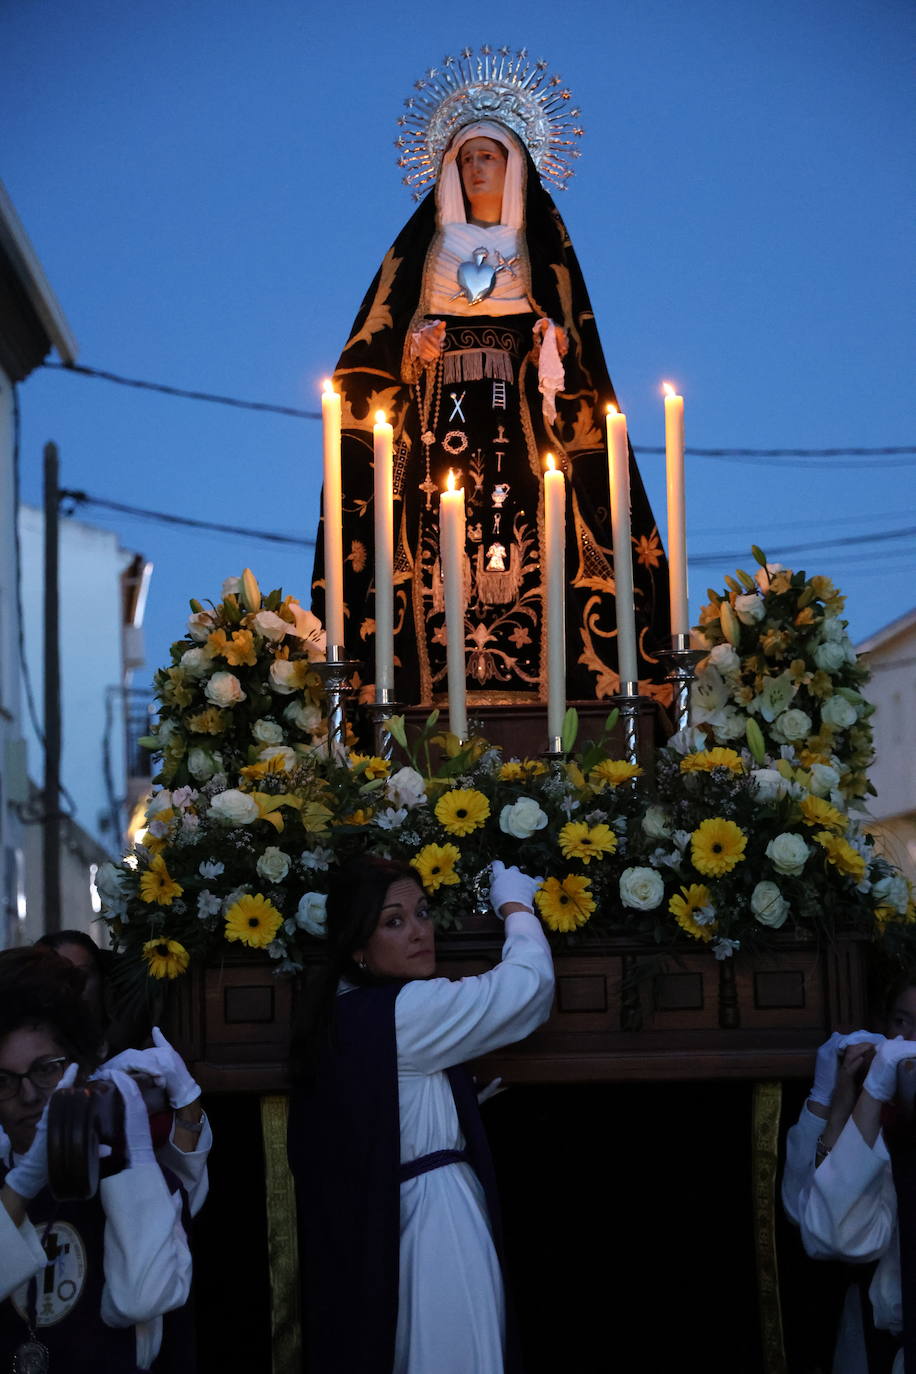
(44, 1074)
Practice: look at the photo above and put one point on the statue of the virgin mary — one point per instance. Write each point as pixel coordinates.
(478, 340)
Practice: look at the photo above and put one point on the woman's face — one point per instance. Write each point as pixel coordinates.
(482, 163)
(903, 1015)
(403, 944)
(20, 1051)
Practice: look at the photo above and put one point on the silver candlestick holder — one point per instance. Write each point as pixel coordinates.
(682, 662)
(336, 674)
(630, 705)
(554, 753)
(379, 711)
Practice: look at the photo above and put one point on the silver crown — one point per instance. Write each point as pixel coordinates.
(512, 90)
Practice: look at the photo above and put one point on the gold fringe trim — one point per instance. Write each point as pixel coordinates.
(282, 1243)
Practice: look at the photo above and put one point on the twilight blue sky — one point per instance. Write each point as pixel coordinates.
(210, 188)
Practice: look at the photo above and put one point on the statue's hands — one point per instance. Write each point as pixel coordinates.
(562, 338)
(428, 341)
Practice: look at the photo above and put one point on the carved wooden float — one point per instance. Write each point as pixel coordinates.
(624, 1011)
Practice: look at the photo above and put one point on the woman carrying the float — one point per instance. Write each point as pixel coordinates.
(478, 340)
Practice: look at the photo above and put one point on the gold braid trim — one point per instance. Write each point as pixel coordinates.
(282, 1242)
(767, 1105)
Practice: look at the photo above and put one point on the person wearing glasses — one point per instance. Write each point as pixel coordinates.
(83, 1285)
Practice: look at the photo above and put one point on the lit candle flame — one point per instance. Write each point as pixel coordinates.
(551, 462)
(450, 482)
(612, 409)
(668, 389)
(381, 418)
(328, 387)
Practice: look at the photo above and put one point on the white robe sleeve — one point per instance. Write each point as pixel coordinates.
(147, 1261)
(851, 1209)
(440, 1023)
(189, 1166)
(801, 1144)
(21, 1254)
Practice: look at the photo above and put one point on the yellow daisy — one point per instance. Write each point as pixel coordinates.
(253, 771)
(707, 759)
(435, 864)
(156, 884)
(253, 920)
(361, 816)
(520, 770)
(612, 772)
(816, 811)
(374, 767)
(567, 903)
(717, 846)
(462, 810)
(682, 907)
(842, 855)
(165, 958)
(578, 840)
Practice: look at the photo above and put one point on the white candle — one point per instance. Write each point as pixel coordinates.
(677, 514)
(452, 556)
(555, 619)
(619, 475)
(383, 445)
(332, 510)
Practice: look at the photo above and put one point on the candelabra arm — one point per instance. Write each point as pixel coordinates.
(336, 674)
(379, 712)
(682, 662)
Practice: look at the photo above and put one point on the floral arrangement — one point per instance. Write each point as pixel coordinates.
(780, 656)
(717, 846)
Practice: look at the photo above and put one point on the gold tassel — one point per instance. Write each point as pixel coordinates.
(499, 588)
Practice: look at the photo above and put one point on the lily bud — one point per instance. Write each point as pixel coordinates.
(251, 592)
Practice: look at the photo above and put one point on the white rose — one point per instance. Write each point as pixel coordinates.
(160, 801)
(267, 732)
(522, 818)
(792, 725)
(830, 656)
(769, 905)
(224, 689)
(891, 890)
(273, 864)
(833, 628)
(839, 712)
(749, 609)
(312, 913)
(769, 784)
(231, 586)
(641, 888)
(284, 676)
(196, 662)
(234, 807)
(406, 788)
(280, 751)
(787, 853)
(271, 626)
(306, 718)
(108, 880)
(655, 823)
(202, 764)
(824, 779)
(200, 626)
(725, 659)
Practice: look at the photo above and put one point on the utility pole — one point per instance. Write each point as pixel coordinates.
(51, 800)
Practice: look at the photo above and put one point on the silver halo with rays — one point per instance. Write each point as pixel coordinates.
(494, 84)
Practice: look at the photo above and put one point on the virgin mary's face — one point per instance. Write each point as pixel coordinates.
(482, 163)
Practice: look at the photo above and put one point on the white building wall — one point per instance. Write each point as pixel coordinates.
(12, 779)
(891, 655)
(93, 755)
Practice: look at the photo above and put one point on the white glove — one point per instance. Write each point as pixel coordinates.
(861, 1038)
(511, 885)
(881, 1079)
(30, 1173)
(136, 1121)
(163, 1065)
(826, 1067)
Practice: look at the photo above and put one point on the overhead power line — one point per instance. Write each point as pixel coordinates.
(81, 498)
(901, 455)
